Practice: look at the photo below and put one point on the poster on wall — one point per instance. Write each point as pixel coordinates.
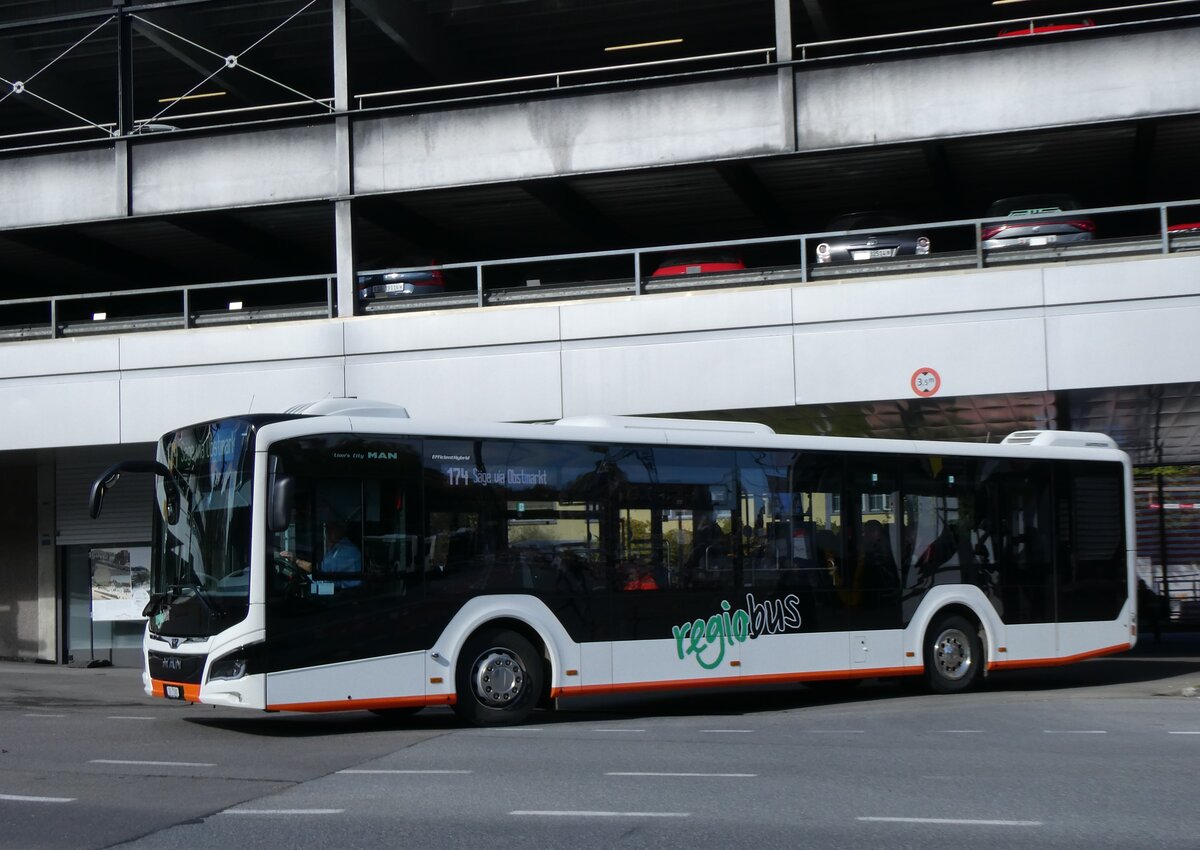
(120, 583)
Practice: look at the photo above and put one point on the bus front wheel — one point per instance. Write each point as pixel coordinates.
(953, 654)
(498, 680)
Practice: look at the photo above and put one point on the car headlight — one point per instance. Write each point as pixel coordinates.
(824, 254)
(922, 246)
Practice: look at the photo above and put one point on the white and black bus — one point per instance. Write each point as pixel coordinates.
(344, 556)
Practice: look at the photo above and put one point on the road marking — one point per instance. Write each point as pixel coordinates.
(18, 798)
(715, 775)
(1183, 733)
(283, 811)
(955, 821)
(962, 731)
(618, 730)
(128, 717)
(1075, 731)
(514, 729)
(724, 731)
(45, 715)
(154, 763)
(407, 771)
(553, 814)
(836, 731)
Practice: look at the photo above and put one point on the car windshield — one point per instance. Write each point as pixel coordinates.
(200, 572)
(866, 221)
(1033, 205)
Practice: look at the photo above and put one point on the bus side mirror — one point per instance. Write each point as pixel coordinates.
(283, 495)
(99, 488)
(112, 475)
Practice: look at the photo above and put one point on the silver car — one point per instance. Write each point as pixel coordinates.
(864, 247)
(1031, 221)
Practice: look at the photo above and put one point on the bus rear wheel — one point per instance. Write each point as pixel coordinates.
(953, 654)
(498, 680)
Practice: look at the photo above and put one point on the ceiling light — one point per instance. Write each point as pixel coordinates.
(644, 44)
(198, 96)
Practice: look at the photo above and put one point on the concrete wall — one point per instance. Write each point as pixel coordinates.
(1020, 84)
(989, 331)
(690, 122)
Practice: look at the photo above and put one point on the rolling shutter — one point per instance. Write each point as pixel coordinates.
(126, 517)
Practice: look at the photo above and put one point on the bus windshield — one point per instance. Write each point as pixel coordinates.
(200, 571)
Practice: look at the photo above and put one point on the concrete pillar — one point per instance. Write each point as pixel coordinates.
(787, 75)
(20, 607)
(343, 213)
(49, 621)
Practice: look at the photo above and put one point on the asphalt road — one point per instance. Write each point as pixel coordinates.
(1100, 754)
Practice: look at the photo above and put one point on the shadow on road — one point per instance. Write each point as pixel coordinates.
(1150, 669)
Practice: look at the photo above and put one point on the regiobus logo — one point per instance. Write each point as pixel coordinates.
(706, 640)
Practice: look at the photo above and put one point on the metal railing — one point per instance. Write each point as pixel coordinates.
(620, 272)
(195, 305)
(940, 37)
(629, 73)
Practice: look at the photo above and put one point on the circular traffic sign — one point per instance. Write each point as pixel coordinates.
(926, 382)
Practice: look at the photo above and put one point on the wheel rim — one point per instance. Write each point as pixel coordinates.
(952, 654)
(498, 677)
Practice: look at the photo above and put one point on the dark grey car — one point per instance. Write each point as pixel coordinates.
(1035, 220)
(864, 247)
(374, 286)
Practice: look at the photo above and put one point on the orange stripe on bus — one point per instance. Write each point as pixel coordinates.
(365, 704)
(191, 693)
(762, 679)
(1057, 662)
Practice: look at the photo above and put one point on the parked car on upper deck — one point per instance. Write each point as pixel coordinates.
(1033, 220)
(382, 285)
(863, 247)
(700, 262)
(1035, 28)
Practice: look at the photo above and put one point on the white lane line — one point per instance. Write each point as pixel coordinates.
(962, 731)
(955, 821)
(1183, 733)
(514, 729)
(554, 814)
(154, 763)
(1075, 731)
(128, 717)
(45, 715)
(415, 772)
(726, 731)
(19, 798)
(282, 811)
(836, 731)
(714, 775)
(618, 730)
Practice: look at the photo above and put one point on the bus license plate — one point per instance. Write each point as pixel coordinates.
(173, 691)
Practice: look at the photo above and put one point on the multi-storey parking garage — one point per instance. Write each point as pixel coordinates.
(190, 192)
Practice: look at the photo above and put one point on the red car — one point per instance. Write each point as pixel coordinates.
(1035, 28)
(699, 263)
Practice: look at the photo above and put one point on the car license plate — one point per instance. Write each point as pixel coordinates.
(173, 691)
(1040, 240)
(874, 254)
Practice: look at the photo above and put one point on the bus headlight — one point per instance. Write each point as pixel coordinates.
(231, 667)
